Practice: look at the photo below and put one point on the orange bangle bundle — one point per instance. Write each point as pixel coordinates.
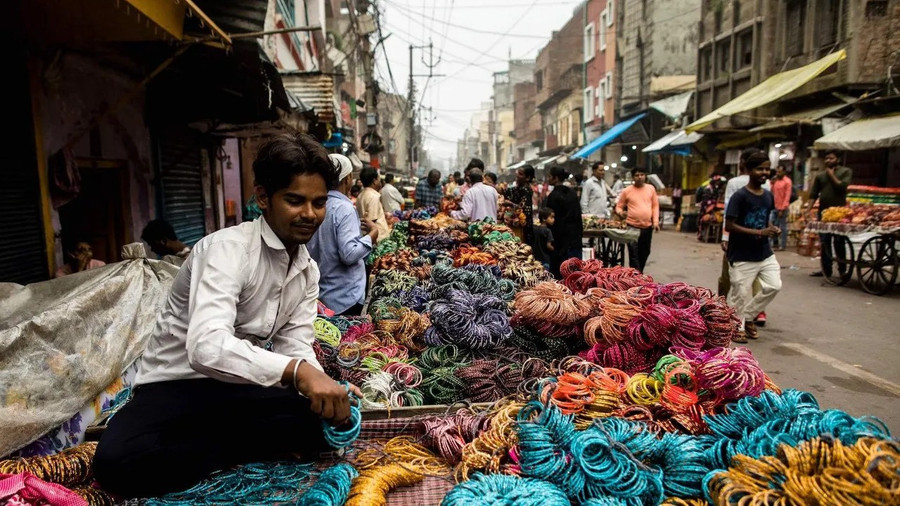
(465, 255)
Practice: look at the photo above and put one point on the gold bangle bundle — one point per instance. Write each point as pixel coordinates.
(401, 462)
(487, 451)
(67, 468)
(819, 471)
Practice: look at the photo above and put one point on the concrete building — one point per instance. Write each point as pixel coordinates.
(744, 43)
(656, 44)
(599, 66)
(502, 128)
(559, 74)
(393, 122)
(529, 136)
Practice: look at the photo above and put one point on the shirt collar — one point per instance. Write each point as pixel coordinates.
(338, 195)
(301, 256)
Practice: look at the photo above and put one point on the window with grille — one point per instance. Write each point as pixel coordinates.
(827, 23)
(795, 21)
(744, 50)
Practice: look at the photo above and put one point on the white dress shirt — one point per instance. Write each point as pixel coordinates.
(391, 198)
(595, 198)
(234, 296)
(479, 202)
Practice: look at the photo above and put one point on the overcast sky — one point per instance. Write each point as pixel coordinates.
(472, 40)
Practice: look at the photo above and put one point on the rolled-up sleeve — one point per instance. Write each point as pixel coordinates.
(212, 348)
(351, 247)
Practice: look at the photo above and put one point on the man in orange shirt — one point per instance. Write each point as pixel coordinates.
(781, 190)
(640, 206)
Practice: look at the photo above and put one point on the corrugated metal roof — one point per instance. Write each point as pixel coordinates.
(316, 91)
(235, 16)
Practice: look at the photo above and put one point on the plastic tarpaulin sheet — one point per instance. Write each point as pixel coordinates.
(770, 90)
(874, 133)
(607, 137)
(63, 341)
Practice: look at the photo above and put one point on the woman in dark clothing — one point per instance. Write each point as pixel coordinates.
(522, 195)
(568, 228)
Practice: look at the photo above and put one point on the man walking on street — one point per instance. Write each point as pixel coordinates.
(750, 256)
(781, 191)
(368, 204)
(391, 199)
(479, 202)
(429, 191)
(595, 194)
(830, 187)
(640, 206)
(340, 249)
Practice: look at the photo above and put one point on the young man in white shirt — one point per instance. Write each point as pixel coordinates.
(391, 199)
(229, 375)
(595, 193)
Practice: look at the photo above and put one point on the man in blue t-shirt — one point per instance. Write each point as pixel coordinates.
(750, 256)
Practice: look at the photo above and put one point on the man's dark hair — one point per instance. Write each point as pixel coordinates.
(756, 159)
(158, 230)
(528, 170)
(475, 163)
(287, 155)
(597, 164)
(355, 189)
(638, 169)
(544, 213)
(491, 176)
(836, 152)
(368, 176)
(475, 176)
(456, 175)
(388, 178)
(559, 173)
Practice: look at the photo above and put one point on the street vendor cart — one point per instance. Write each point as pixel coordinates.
(609, 240)
(866, 235)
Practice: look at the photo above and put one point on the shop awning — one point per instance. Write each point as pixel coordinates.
(804, 117)
(769, 90)
(872, 133)
(516, 165)
(607, 137)
(675, 106)
(677, 142)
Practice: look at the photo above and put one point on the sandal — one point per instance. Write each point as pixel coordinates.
(750, 330)
(740, 337)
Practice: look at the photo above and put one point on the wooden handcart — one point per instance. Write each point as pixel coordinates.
(871, 251)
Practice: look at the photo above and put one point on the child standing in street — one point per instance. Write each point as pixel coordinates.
(543, 237)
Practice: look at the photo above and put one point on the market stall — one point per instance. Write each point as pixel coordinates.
(866, 235)
(609, 238)
(485, 381)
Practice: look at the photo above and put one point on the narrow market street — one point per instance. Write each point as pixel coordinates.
(840, 343)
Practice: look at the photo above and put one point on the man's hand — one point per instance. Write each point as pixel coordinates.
(771, 231)
(656, 227)
(371, 228)
(829, 170)
(327, 398)
(724, 245)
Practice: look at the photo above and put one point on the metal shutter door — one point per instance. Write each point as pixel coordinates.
(23, 258)
(182, 186)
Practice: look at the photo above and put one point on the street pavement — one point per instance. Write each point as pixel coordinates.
(840, 343)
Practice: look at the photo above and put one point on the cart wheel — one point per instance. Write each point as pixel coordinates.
(877, 265)
(842, 269)
(619, 254)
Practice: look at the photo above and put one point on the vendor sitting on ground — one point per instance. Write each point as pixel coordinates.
(229, 375)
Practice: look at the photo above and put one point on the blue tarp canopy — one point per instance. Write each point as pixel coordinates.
(607, 137)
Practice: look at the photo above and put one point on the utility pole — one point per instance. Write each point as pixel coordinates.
(411, 106)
